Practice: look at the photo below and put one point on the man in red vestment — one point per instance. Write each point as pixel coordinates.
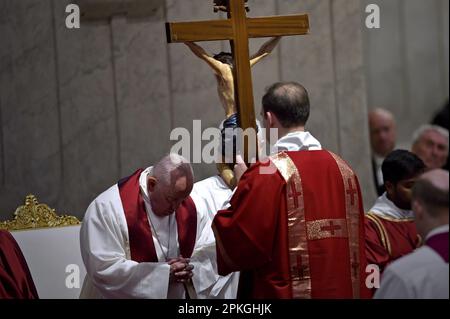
(15, 277)
(390, 229)
(294, 227)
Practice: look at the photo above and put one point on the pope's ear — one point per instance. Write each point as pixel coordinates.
(151, 183)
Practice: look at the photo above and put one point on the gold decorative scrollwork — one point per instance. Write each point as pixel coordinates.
(35, 215)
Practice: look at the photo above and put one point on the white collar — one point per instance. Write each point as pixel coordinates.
(437, 231)
(296, 141)
(378, 159)
(386, 208)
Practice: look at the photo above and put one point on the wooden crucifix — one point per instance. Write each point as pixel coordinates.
(238, 29)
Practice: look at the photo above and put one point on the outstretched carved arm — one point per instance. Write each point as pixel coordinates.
(217, 66)
(264, 51)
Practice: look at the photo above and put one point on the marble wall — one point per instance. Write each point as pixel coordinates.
(407, 61)
(31, 127)
(81, 108)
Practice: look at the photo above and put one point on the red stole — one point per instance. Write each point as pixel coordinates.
(140, 234)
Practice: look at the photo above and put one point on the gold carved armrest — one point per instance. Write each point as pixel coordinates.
(35, 215)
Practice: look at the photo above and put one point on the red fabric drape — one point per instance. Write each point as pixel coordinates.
(15, 277)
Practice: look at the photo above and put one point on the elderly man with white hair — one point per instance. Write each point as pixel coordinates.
(138, 237)
(430, 143)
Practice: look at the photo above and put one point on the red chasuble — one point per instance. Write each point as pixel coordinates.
(142, 247)
(388, 239)
(297, 232)
(15, 277)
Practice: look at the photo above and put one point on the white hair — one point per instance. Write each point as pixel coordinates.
(170, 163)
(427, 127)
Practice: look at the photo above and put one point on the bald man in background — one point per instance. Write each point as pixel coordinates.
(424, 274)
(383, 135)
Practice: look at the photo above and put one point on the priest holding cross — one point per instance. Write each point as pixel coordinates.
(294, 225)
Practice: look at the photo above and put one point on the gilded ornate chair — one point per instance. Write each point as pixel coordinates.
(50, 244)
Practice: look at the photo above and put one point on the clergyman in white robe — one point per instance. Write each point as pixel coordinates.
(105, 249)
(211, 195)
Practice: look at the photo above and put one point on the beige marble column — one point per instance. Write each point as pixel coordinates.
(88, 110)
(31, 159)
(350, 88)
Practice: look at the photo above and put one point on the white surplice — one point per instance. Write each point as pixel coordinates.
(210, 195)
(384, 207)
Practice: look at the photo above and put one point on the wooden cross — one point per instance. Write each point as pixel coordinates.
(238, 29)
(351, 191)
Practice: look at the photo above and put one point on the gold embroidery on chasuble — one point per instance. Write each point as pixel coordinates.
(297, 234)
(327, 228)
(382, 232)
(352, 218)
